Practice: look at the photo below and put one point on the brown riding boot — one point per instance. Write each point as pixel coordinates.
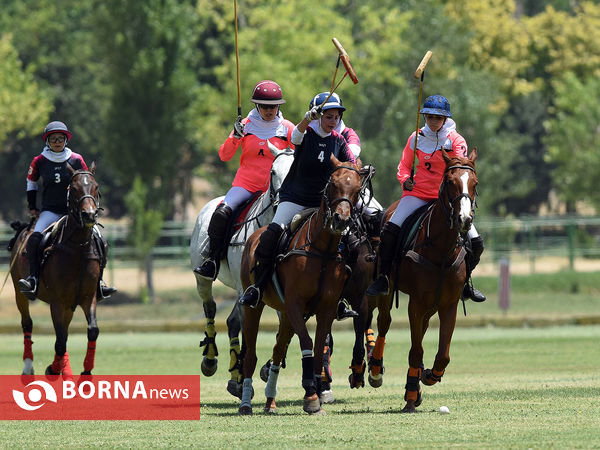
(387, 250)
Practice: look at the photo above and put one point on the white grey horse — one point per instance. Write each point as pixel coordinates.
(260, 214)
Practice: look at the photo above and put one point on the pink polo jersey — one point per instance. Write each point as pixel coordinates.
(256, 159)
(430, 167)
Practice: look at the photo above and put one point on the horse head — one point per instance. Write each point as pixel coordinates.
(82, 197)
(458, 190)
(281, 165)
(341, 194)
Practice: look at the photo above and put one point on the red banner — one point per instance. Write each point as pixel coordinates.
(100, 397)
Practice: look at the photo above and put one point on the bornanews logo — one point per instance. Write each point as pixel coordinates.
(100, 397)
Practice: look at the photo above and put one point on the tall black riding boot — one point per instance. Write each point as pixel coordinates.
(387, 250)
(265, 259)
(217, 229)
(29, 285)
(103, 290)
(472, 259)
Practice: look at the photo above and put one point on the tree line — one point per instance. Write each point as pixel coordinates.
(149, 89)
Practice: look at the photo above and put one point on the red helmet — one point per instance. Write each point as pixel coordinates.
(267, 92)
(56, 127)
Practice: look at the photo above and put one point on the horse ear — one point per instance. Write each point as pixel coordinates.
(336, 162)
(93, 167)
(445, 155)
(473, 155)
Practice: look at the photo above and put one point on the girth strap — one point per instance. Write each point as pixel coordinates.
(419, 259)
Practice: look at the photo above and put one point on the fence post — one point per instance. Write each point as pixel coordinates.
(571, 240)
(504, 285)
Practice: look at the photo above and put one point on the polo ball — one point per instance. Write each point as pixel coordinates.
(444, 410)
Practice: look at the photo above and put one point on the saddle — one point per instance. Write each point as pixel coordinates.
(289, 232)
(236, 221)
(408, 232)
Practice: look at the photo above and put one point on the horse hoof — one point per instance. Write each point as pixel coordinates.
(245, 410)
(208, 366)
(312, 404)
(327, 396)
(409, 409)
(50, 374)
(270, 406)
(356, 380)
(375, 380)
(235, 389)
(264, 371)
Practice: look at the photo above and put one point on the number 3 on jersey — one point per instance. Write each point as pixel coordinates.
(321, 156)
(57, 177)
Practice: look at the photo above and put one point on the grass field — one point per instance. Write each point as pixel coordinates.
(505, 388)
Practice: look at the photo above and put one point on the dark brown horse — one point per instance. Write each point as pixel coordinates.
(68, 277)
(433, 274)
(311, 276)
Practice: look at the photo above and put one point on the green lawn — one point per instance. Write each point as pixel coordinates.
(505, 387)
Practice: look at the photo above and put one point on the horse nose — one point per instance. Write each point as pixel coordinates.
(88, 218)
(464, 223)
(340, 221)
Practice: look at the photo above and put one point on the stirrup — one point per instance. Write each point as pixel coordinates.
(380, 286)
(28, 287)
(106, 291)
(343, 312)
(207, 270)
(251, 296)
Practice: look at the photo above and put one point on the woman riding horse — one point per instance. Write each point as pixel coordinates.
(438, 133)
(50, 170)
(69, 275)
(302, 189)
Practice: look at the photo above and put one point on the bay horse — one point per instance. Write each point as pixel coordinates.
(69, 274)
(433, 274)
(261, 213)
(310, 276)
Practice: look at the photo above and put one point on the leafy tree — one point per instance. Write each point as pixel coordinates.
(573, 139)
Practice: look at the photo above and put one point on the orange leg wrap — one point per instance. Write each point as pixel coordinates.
(377, 360)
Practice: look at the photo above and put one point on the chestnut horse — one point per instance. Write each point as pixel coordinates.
(69, 274)
(433, 274)
(311, 276)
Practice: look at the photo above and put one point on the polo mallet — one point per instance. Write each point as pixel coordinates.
(420, 72)
(237, 61)
(343, 57)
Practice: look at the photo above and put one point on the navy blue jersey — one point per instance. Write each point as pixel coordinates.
(55, 180)
(311, 168)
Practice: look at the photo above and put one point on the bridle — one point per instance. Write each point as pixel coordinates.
(331, 204)
(74, 207)
(448, 204)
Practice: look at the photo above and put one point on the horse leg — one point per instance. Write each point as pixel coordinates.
(358, 365)
(447, 317)
(326, 394)
(384, 319)
(61, 318)
(27, 326)
(234, 326)
(92, 336)
(324, 321)
(251, 322)
(284, 336)
(369, 334)
(418, 325)
(210, 353)
(295, 314)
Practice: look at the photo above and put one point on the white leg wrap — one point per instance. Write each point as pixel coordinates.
(28, 367)
(271, 387)
(247, 391)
